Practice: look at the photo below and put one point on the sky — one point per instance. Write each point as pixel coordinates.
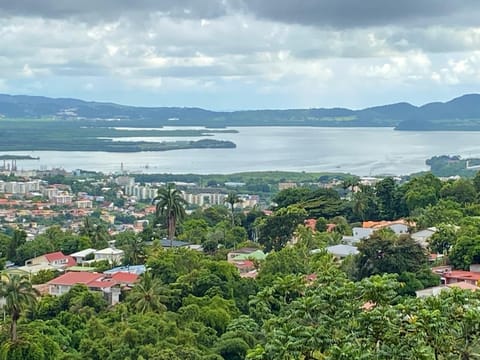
(241, 54)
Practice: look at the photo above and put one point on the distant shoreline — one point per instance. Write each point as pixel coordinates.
(18, 157)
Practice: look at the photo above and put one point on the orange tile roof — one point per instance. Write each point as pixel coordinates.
(384, 223)
(461, 275)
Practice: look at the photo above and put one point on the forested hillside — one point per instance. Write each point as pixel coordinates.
(303, 302)
(462, 113)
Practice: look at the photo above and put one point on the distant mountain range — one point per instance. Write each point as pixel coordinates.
(462, 113)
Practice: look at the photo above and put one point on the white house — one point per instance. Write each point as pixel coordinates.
(83, 255)
(111, 254)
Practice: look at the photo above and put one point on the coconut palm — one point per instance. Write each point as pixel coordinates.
(148, 295)
(19, 295)
(169, 203)
(232, 199)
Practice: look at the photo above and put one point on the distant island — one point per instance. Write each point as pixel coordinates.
(18, 157)
(462, 113)
(64, 135)
(446, 166)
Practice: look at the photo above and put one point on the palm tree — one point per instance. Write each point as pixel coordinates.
(232, 199)
(19, 295)
(170, 204)
(149, 294)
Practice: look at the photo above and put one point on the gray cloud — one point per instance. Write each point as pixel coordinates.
(94, 10)
(320, 13)
(357, 13)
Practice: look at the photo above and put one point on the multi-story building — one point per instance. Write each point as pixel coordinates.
(141, 192)
(63, 198)
(50, 192)
(205, 199)
(84, 204)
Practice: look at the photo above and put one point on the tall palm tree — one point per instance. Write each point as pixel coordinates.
(19, 295)
(169, 203)
(149, 294)
(232, 199)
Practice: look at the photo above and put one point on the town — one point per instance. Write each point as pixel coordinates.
(133, 244)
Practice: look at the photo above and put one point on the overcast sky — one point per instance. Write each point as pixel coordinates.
(241, 54)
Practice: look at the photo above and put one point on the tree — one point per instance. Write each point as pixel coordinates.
(276, 230)
(461, 191)
(443, 239)
(19, 295)
(232, 199)
(422, 191)
(465, 252)
(384, 252)
(169, 203)
(385, 191)
(148, 295)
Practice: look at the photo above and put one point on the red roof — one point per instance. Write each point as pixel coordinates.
(125, 277)
(94, 280)
(461, 275)
(74, 277)
(56, 256)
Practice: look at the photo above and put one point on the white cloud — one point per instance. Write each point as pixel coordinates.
(234, 54)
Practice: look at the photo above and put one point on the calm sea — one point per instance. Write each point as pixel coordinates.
(361, 151)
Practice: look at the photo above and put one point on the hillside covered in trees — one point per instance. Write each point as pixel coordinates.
(303, 304)
(462, 113)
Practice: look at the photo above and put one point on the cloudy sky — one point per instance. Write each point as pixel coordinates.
(238, 54)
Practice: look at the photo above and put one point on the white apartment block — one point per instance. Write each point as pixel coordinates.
(18, 187)
(63, 198)
(141, 192)
(50, 192)
(205, 199)
(84, 204)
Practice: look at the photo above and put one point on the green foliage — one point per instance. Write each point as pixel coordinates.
(276, 230)
(170, 204)
(43, 276)
(384, 252)
(422, 191)
(465, 251)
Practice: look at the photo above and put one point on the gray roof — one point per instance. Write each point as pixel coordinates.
(174, 243)
(342, 250)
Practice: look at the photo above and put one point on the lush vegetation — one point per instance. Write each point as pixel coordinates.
(452, 166)
(62, 135)
(458, 114)
(303, 304)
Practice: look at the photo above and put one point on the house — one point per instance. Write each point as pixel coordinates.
(457, 276)
(173, 243)
(245, 261)
(421, 237)
(399, 227)
(257, 255)
(436, 290)
(110, 254)
(83, 255)
(132, 269)
(342, 251)
(234, 253)
(51, 261)
(109, 284)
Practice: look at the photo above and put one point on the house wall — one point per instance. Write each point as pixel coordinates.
(58, 290)
(37, 261)
(115, 258)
